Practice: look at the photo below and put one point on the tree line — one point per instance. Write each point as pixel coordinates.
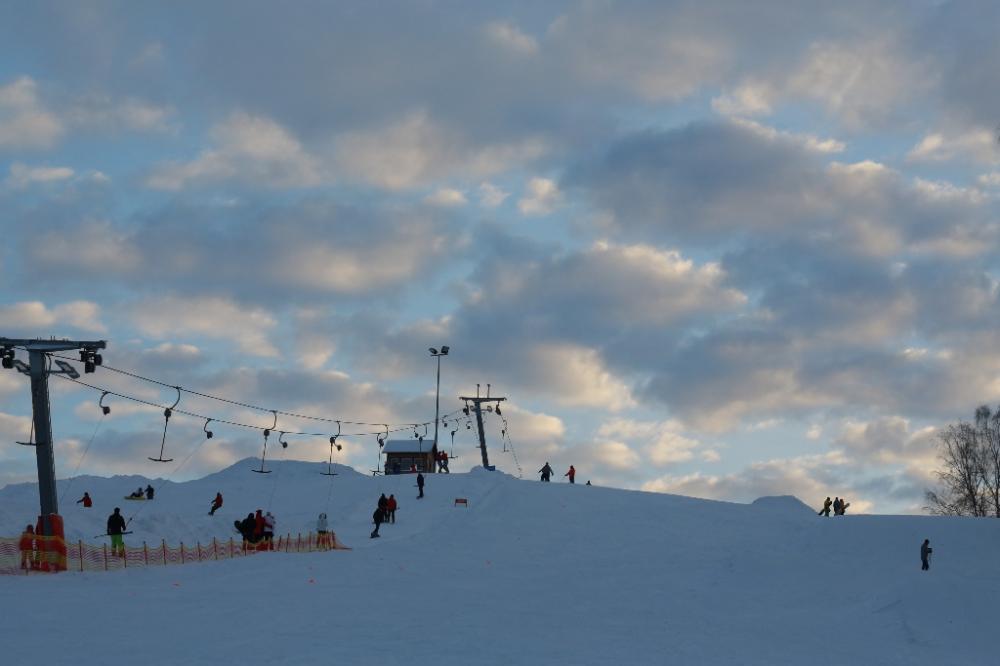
(970, 476)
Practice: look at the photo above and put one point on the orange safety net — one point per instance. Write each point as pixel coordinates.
(37, 553)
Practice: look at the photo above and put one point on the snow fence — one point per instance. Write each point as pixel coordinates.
(18, 556)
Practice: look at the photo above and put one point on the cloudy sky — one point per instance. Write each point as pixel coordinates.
(723, 249)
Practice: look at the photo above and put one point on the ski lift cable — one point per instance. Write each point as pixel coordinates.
(237, 403)
(79, 462)
(238, 424)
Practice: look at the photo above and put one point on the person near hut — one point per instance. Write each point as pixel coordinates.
(116, 527)
(86, 501)
(390, 507)
(383, 503)
(444, 462)
(420, 485)
(546, 472)
(26, 545)
(216, 504)
(571, 474)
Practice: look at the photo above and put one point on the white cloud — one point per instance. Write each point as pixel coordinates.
(447, 197)
(212, 317)
(991, 179)
(246, 148)
(36, 316)
(24, 120)
(663, 441)
(978, 145)
(112, 114)
(751, 98)
(22, 176)
(578, 377)
(815, 432)
(808, 141)
(511, 38)
(491, 196)
(541, 197)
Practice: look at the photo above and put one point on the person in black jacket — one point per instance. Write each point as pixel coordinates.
(247, 528)
(420, 484)
(116, 525)
(546, 472)
(925, 553)
(383, 504)
(377, 518)
(149, 492)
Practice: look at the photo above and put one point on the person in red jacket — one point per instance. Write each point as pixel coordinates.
(390, 509)
(86, 501)
(571, 474)
(258, 525)
(444, 462)
(27, 547)
(216, 504)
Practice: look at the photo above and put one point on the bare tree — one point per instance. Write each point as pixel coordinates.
(970, 478)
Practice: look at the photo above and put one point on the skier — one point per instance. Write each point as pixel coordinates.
(391, 506)
(925, 555)
(420, 485)
(836, 506)
(571, 474)
(444, 462)
(149, 492)
(322, 533)
(546, 472)
(86, 501)
(116, 525)
(27, 547)
(825, 511)
(269, 523)
(378, 517)
(216, 504)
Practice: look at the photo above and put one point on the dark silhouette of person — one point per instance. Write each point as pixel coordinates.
(383, 504)
(377, 518)
(546, 472)
(571, 474)
(925, 555)
(116, 526)
(149, 492)
(390, 508)
(216, 504)
(825, 511)
(420, 485)
(86, 501)
(247, 528)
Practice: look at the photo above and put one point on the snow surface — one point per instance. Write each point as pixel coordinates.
(529, 573)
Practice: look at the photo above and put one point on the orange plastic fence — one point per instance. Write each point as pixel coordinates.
(80, 556)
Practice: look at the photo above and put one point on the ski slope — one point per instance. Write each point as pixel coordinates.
(529, 573)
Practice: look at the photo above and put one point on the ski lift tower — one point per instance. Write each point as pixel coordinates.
(39, 370)
(477, 404)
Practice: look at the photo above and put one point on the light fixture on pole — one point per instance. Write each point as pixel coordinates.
(437, 395)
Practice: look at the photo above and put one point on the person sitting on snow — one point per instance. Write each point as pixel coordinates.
(137, 494)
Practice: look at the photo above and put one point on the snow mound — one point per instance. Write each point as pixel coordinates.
(783, 504)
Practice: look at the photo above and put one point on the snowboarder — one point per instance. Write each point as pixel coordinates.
(390, 507)
(546, 472)
(27, 547)
(420, 485)
(269, 523)
(322, 533)
(925, 555)
(836, 506)
(216, 504)
(86, 501)
(571, 474)
(843, 506)
(116, 525)
(825, 511)
(378, 517)
(149, 492)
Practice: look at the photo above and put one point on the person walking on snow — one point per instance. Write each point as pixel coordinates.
(86, 501)
(444, 462)
(825, 511)
(27, 547)
(843, 506)
(216, 504)
(546, 472)
(377, 518)
(383, 504)
(571, 474)
(925, 555)
(420, 485)
(836, 506)
(390, 508)
(269, 523)
(116, 526)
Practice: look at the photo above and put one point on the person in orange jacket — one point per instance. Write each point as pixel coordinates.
(27, 547)
(86, 501)
(571, 474)
(390, 509)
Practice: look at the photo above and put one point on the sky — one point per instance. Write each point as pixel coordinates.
(719, 249)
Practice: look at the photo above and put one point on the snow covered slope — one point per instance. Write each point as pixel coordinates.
(529, 573)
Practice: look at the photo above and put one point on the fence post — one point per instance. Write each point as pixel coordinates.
(145, 553)
(199, 551)
(288, 542)
(164, 543)
(182, 552)
(215, 548)
(105, 557)
(81, 554)
(231, 555)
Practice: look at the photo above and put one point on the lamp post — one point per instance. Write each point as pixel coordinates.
(437, 395)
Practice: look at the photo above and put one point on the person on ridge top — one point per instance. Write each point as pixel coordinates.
(825, 511)
(546, 472)
(571, 474)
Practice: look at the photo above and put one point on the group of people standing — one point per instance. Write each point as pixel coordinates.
(839, 507)
(547, 472)
(385, 512)
(257, 528)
